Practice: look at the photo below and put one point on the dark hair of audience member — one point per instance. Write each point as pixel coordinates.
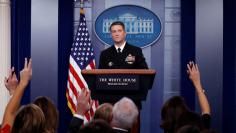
(96, 126)
(104, 111)
(189, 118)
(171, 111)
(29, 119)
(209, 131)
(50, 113)
(189, 129)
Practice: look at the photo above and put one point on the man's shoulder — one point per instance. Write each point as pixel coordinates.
(108, 49)
(132, 47)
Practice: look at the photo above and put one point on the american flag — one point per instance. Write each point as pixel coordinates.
(81, 57)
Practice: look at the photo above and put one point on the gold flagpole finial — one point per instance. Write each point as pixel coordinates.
(81, 3)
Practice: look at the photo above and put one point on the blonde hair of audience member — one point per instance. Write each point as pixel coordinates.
(50, 112)
(29, 119)
(125, 114)
(104, 111)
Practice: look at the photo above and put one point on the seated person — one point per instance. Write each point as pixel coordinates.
(104, 111)
(125, 115)
(50, 112)
(82, 108)
(176, 106)
(17, 91)
(29, 119)
(189, 129)
(96, 126)
(189, 118)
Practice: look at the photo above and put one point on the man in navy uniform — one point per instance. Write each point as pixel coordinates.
(121, 55)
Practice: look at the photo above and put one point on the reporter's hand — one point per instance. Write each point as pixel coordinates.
(83, 102)
(11, 81)
(26, 72)
(193, 72)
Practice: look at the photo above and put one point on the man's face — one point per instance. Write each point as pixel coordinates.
(118, 34)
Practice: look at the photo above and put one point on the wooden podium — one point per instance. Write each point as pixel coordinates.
(110, 85)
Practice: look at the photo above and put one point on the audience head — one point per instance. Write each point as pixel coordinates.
(29, 119)
(96, 126)
(189, 118)
(189, 129)
(125, 113)
(171, 111)
(104, 111)
(50, 113)
(209, 131)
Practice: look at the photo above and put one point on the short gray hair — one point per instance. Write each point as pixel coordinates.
(125, 113)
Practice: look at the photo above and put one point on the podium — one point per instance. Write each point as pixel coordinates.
(110, 85)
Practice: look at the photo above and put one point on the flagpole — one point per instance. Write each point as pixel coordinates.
(81, 3)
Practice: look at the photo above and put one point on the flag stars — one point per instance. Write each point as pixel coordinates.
(82, 51)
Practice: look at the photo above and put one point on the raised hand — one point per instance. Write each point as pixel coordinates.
(83, 102)
(14, 102)
(194, 74)
(11, 81)
(26, 72)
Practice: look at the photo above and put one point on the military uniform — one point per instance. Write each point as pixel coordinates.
(131, 57)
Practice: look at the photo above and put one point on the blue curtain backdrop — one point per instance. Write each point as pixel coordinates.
(21, 48)
(20, 37)
(187, 49)
(65, 40)
(229, 74)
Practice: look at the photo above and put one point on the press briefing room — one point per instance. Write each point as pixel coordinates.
(117, 66)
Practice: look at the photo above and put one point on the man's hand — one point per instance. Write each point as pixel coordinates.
(83, 102)
(26, 72)
(11, 82)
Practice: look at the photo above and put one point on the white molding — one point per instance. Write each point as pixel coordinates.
(5, 51)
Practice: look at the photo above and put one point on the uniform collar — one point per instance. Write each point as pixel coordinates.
(121, 47)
